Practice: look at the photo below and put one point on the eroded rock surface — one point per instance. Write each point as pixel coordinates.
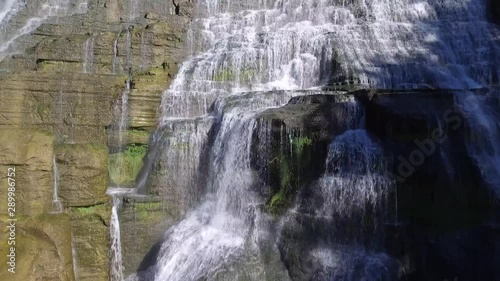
(61, 86)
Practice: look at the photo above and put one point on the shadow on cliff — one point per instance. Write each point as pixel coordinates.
(449, 52)
(443, 231)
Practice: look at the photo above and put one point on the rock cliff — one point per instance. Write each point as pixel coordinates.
(62, 89)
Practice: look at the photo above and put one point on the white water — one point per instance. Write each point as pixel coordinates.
(74, 257)
(57, 206)
(116, 270)
(115, 53)
(218, 230)
(144, 51)
(121, 109)
(6, 8)
(16, 20)
(88, 55)
(124, 112)
(300, 44)
(355, 178)
(290, 44)
(483, 141)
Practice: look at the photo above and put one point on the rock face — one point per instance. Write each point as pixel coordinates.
(377, 129)
(42, 240)
(494, 9)
(62, 99)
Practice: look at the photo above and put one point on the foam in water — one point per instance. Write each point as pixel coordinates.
(218, 229)
(133, 7)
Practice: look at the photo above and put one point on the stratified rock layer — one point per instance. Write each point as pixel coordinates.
(61, 103)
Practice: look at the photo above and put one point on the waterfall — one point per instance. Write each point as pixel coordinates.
(355, 175)
(88, 55)
(121, 108)
(14, 24)
(133, 7)
(128, 46)
(481, 114)
(6, 9)
(115, 53)
(244, 54)
(124, 112)
(74, 257)
(57, 206)
(116, 270)
(123, 123)
(218, 229)
(292, 44)
(144, 52)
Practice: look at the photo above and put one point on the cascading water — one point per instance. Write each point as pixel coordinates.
(225, 228)
(57, 206)
(124, 112)
(353, 160)
(481, 113)
(121, 109)
(354, 194)
(116, 270)
(291, 45)
(18, 18)
(132, 8)
(115, 53)
(88, 55)
(144, 51)
(6, 8)
(74, 258)
(299, 44)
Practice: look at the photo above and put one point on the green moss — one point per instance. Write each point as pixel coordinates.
(277, 199)
(280, 200)
(137, 136)
(124, 166)
(244, 75)
(299, 143)
(82, 211)
(285, 174)
(289, 166)
(155, 71)
(149, 211)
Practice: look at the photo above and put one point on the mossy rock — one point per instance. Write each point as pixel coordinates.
(90, 230)
(125, 166)
(83, 174)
